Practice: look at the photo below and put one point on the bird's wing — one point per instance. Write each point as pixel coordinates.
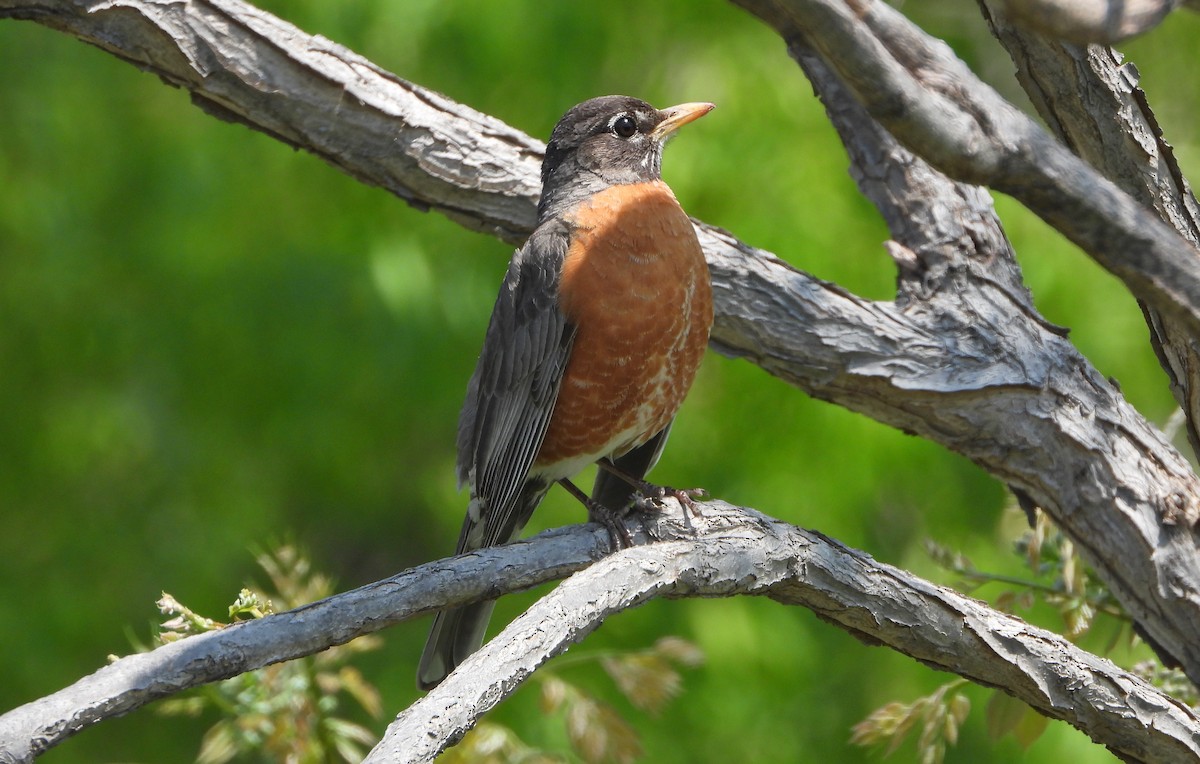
(513, 390)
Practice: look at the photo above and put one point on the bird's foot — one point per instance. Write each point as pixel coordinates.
(613, 522)
(649, 497)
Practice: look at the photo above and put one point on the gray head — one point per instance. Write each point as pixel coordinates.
(607, 141)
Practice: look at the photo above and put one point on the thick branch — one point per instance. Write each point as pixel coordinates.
(1094, 105)
(317, 95)
(960, 288)
(725, 552)
(244, 65)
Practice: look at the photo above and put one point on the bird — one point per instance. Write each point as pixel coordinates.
(595, 338)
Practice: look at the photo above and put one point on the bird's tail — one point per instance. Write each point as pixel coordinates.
(459, 631)
(456, 634)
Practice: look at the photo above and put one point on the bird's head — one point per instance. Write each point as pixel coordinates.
(609, 141)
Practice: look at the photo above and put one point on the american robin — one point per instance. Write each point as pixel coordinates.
(594, 341)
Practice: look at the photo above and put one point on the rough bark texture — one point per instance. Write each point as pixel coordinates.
(1093, 104)
(971, 356)
(242, 64)
(740, 551)
(915, 87)
(960, 357)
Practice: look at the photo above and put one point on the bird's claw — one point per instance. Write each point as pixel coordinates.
(612, 522)
(650, 497)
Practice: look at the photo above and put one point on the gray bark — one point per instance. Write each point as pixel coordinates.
(135, 680)
(1092, 102)
(739, 551)
(964, 359)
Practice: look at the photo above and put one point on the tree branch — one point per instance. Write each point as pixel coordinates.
(727, 551)
(133, 681)
(244, 65)
(932, 103)
(434, 153)
(1070, 86)
(1090, 21)
(963, 352)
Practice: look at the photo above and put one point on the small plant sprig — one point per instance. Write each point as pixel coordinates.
(1059, 578)
(287, 711)
(940, 714)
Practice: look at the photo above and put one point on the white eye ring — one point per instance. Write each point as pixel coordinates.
(623, 126)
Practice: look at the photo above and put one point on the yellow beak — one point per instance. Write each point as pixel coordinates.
(676, 117)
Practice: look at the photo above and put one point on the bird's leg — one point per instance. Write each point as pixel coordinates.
(650, 493)
(598, 513)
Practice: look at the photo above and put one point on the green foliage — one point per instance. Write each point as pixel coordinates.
(1058, 577)
(286, 711)
(1008, 716)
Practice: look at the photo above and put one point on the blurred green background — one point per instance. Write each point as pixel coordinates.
(209, 341)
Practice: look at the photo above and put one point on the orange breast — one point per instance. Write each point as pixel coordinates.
(636, 285)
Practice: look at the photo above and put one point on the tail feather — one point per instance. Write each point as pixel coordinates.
(460, 631)
(455, 634)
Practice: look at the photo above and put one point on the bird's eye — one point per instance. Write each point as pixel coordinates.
(624, 126)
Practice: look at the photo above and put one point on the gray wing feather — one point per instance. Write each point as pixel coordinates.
(509, 402)
(512, 393)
